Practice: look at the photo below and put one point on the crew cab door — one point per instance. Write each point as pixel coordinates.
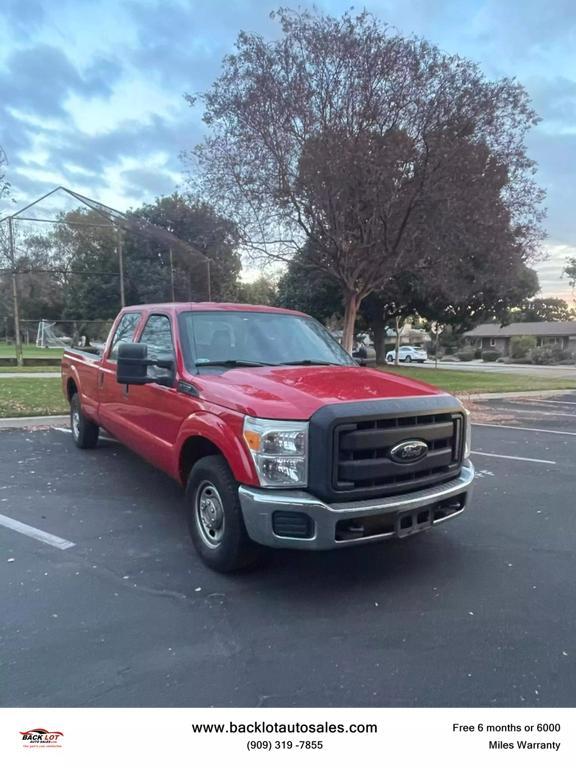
(156, 410)
(113, 397)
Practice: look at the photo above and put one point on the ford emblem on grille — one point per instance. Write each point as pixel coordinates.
(409, 451)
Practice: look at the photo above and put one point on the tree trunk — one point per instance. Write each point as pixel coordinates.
(397, 321)
(379, 329)
(350, 312)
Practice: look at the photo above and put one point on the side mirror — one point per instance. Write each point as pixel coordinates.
(133, 362)
(132, 365)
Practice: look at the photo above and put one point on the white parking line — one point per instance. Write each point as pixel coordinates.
(553, 402)
(68, 431)
(524, 429)
(513, 458)
(35, 533)
(541, 413)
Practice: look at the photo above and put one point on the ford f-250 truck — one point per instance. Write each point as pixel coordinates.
(278, 435)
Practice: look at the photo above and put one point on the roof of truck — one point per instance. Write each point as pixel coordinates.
(211, 306)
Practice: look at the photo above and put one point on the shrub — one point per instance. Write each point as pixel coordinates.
(550, 354)
(521, 346)
(465, 354)
(518, 361)
(490, 355)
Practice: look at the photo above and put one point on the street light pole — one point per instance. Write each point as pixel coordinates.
(17, 337)
(172, 274)
(121, 267)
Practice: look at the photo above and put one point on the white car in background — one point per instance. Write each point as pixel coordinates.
(408, 355)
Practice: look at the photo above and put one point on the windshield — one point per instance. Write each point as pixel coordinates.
(265, 338)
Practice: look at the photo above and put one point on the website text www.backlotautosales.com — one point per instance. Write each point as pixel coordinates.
(274, 735)
(266, 728)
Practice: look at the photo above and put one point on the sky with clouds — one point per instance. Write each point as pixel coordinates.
(92, 91)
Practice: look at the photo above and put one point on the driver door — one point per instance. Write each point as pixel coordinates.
(156, 410)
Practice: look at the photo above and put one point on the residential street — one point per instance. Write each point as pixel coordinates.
(551, 371)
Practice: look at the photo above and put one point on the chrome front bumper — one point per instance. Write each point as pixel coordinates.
(344, 524)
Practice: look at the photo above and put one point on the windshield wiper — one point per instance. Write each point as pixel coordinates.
(229, 364)
(307, 362)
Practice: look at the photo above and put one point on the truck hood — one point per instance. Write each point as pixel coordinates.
(296, 392)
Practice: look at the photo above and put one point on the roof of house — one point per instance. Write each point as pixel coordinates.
(543, 328)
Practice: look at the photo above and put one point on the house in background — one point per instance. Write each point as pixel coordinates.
(494, 336)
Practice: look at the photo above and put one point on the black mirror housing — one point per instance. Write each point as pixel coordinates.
(132, 366)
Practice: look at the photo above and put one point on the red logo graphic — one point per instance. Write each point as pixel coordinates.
(40, 737)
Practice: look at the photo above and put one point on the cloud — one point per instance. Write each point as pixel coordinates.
(551, 272)
(24, 17)
(147, 183)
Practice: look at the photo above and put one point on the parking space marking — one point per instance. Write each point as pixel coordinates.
(553, 402)
(524, 429)
(68, 431)
(513, 458)
(536, 412)
(35, 533)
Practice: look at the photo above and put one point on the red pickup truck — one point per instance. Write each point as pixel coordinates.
(278, 435)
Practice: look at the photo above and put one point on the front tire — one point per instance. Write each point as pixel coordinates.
(407, 359)
(215, 517)
(84, 432)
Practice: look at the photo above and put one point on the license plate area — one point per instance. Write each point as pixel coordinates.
(409, 523)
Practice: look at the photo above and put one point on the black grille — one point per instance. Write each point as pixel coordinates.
(361, 453)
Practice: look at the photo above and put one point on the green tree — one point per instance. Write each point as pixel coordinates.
(261, 291)
(197, 263)
(196, 224)
(535, 310)
(306, 288)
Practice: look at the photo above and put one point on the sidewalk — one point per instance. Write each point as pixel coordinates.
(31, 375)
(28, 422)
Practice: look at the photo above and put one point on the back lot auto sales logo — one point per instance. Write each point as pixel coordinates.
(40, 737)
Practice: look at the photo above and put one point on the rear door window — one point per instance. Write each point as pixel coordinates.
(125, 332)
(157, 335)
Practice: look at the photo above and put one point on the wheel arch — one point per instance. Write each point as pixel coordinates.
(193, 449)
(205, 434)
(71, 388)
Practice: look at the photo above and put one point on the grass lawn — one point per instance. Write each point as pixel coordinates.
(472, 382)
(31, 397)
(29, 350)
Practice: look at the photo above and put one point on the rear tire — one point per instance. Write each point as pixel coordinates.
(84, 432)
(215, 517)
(407, 359)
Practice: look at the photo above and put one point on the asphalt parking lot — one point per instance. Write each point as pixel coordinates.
(479, 612)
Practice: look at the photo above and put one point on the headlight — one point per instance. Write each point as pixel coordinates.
(468, 439)
(279, 450)
(468, 430)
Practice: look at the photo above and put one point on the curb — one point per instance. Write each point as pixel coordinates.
(506, 395)
(23, 422)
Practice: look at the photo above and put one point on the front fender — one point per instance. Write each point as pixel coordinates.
(225, 432)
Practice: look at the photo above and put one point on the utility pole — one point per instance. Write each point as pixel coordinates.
(121, 266)
(209, 280)
(172, 274)
(17, 338)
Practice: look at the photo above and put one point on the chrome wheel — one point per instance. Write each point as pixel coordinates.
(209, 514)
(75, 423)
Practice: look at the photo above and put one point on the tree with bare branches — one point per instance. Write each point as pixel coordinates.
(342, 133)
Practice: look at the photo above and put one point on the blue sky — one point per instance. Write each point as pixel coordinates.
(91, 91)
